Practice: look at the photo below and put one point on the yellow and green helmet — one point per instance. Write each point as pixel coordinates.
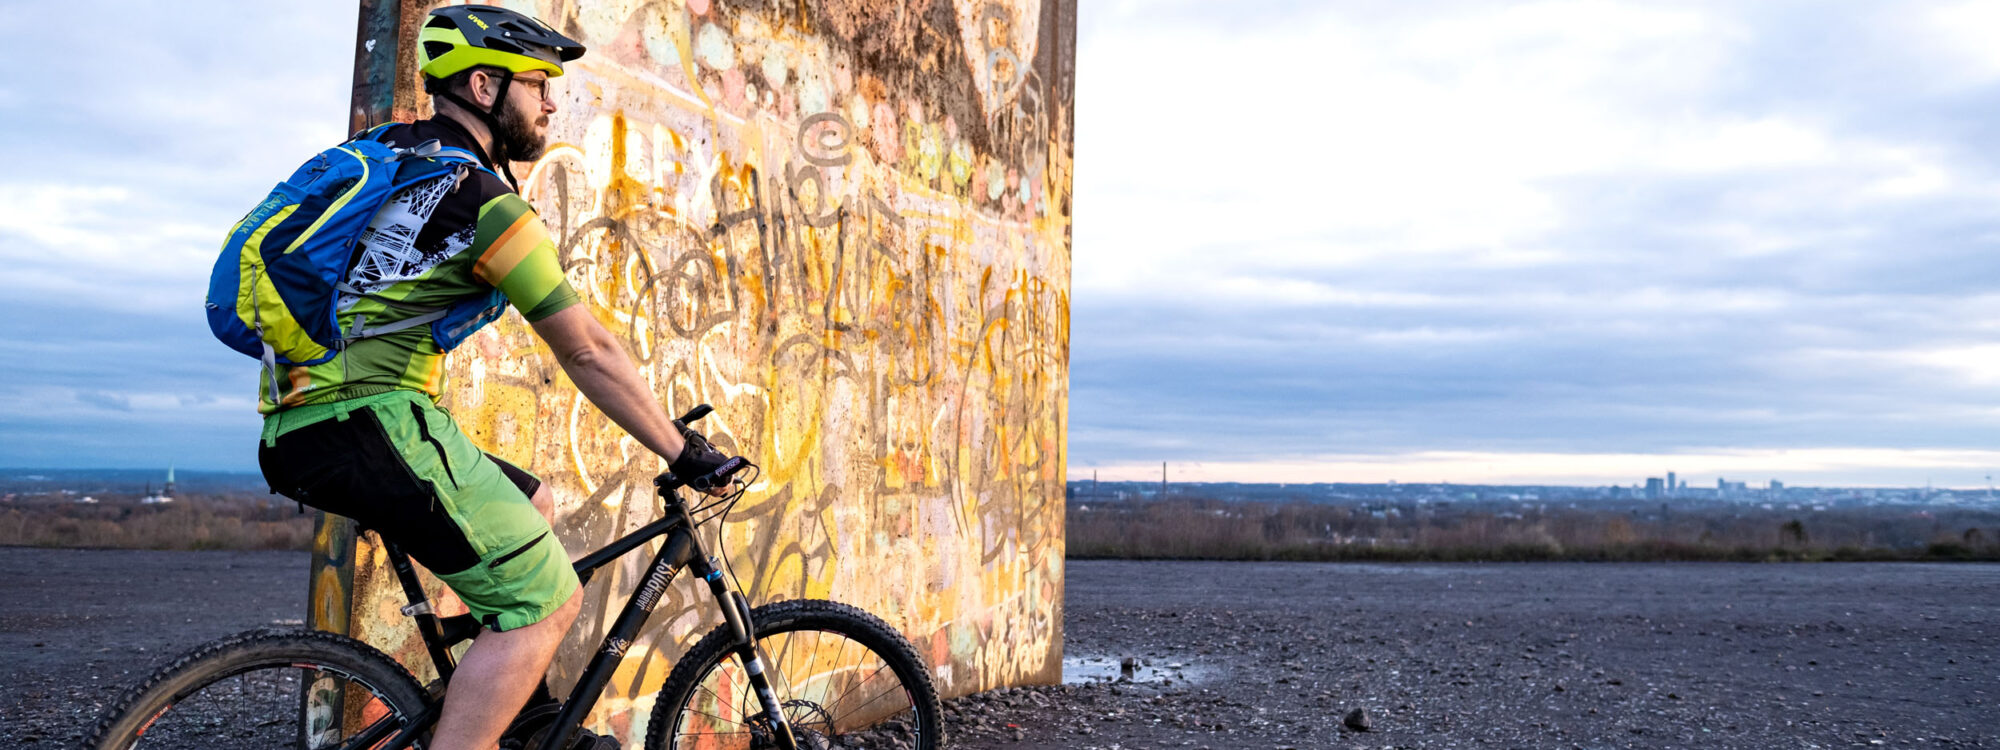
(458, 37)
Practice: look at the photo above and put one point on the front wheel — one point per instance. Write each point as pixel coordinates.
(845, 679)
(266, 689)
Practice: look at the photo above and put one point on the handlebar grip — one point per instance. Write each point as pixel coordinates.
(721, 474)
(696, 413)
(668, 482)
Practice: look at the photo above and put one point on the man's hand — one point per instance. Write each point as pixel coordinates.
(697, 460)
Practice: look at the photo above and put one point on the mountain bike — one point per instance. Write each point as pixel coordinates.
(791, 675)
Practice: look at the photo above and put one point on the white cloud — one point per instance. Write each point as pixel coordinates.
(122, 195)
(54, 214)
(1978, 364)
(1960, 37)
(1340, 140)
(107, 246)
(1735, 145)
(106, 226)
(68, 403)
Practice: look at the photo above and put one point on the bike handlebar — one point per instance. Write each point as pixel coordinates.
(667, 482)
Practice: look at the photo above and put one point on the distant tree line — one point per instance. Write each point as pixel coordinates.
(1195, 528)
(194, 522)
(1198, 528)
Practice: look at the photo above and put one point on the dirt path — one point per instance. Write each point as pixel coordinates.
(1273, 655)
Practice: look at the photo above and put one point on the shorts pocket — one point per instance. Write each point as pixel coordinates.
(518, 587)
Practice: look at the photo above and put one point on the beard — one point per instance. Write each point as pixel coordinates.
(517, 135)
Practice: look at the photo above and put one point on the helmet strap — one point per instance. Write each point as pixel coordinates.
(491, 118)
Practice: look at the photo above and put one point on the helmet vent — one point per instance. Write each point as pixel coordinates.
(440, 22)
(504, 46)
(435, 50)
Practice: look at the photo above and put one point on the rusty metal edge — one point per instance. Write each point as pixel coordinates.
(379, 50)
(384, 50)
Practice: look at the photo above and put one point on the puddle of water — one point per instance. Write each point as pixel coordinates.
(1088, 670)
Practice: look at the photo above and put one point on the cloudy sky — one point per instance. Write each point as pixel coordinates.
(1578, 242)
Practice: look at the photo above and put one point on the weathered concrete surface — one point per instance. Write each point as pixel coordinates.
(846, 225)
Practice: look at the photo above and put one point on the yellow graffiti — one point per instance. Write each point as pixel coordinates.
(869, 282)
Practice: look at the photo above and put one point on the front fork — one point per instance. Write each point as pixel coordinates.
(736, 611)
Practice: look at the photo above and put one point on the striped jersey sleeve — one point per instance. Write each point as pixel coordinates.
(516, 256)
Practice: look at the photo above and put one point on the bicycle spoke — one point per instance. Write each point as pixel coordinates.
(871, 701)
(710, 734)
(273, 705)
(373, 733)
(719, 700)
(782, 682)
(856, 686)
(783, 655)
(715, 717)
(748, 699)
(830, 686)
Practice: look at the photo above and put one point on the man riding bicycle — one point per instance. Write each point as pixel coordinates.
(361, 435)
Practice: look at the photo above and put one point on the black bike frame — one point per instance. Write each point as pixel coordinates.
(680, 551)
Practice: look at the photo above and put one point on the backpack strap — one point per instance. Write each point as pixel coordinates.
(372, 134)
(359, 328)
(431, 149)
(462, 158)
(270, 360)
(455, 153)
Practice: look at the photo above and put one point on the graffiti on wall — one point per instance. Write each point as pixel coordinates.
(846, 225)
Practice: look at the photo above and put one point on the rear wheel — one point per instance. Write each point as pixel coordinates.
(844, 678)
(266, 689)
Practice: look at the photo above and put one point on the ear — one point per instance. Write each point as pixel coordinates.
(482, 89)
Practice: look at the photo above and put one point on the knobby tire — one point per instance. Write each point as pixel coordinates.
(797, 616)
(210, 664)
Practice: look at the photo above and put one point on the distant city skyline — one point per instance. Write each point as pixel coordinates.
(1962, 470)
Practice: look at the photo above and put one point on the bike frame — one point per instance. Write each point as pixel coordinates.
(682, 550)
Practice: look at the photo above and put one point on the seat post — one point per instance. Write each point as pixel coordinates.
(429, 627)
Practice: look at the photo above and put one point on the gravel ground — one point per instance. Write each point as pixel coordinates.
(1521, 656)
(1253, 655)
(78, 627)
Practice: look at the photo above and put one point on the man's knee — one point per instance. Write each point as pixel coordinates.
(545, 502)
(567, 612)
(560, 618)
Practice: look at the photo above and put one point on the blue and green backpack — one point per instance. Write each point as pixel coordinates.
(274, 291)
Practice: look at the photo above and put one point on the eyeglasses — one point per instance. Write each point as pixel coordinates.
(540, 85)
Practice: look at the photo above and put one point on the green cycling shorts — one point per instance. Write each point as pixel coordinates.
(397, 464)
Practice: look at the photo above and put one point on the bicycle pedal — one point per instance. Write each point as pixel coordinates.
(533, 724)
(526, 731)
(584, 740)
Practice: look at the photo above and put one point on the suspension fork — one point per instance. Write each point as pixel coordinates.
(736, 611)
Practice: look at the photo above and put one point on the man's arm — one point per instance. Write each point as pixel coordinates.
(515, 255)
(599, 366)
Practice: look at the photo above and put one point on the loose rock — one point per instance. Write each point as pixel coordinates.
(1357, 720)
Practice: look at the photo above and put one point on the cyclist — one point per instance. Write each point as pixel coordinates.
(361, 435)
